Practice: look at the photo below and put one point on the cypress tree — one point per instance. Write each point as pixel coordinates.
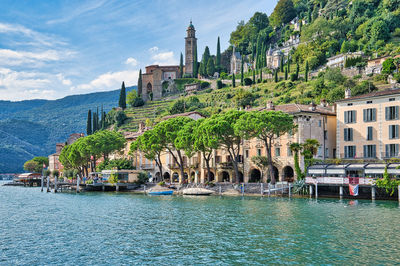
(306, 72)
(102, 122)
(282, 62)
(276, 76)
(254, 76)
(241, 72)
(286, 73)
(297, 70)
(288, 64)
(195, 64)
(233, 80)
(261, 78)
(181, 66)
(122, 97)
(210, 67)
(94, 122)
(89, 123)
(98, 119)
(139, 84)
(218, 57)
(204, 62)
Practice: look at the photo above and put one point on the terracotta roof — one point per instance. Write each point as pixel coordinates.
(182, 114)
(132, 135)
(373, 94)
(300, 108)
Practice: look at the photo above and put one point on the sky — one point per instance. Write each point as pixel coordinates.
(51, 49)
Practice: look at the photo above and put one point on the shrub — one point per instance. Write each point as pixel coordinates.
(161, 184)
(293, 77)
(248, 82)
(142, 178)
(219, 84)
(204, 84)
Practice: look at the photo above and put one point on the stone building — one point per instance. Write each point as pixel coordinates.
(274, 58)
(374, 66)
(190, 48)
(236, 63)
(153, 79)
(340, 60)
(317, 122)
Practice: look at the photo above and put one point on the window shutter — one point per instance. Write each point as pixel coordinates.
(390, 131)
(374, 114)
(345, 134)
(351, 134)
(354, 117)
(396, 128)
(397, 112)
(387, 147)
(345, 117)
(374, 151)
(365, 151)
(365, 111)
(387, 113)
(397, 149)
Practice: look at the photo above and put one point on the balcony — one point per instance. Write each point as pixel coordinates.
(361, 156)
(147, 167)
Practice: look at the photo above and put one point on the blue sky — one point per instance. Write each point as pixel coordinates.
(50, 49)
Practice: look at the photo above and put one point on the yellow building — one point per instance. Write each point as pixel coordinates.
(368, 125)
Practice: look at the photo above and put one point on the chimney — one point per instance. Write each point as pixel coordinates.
(313, 106)
(347, 93)
(270, 105)
(323, 103)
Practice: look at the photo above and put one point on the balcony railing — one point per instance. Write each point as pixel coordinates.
(361, 156)
(147, 166)
(340, 180)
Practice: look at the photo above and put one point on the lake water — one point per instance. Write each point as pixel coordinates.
(122, 228)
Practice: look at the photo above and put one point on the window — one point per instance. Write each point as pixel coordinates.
(370, 134)
(349, 151)
(349, 104)
(326, 152)
(247, 153)
(369, 151)
(259, 152)
(368, 102)
(349, 117)
(369, 115)
(392, 113)
(348, 134)
(326, 134)
(290, 153)
(319, 123)
(393, 131)
(217, 159)
(277, 151)
(392, 150)
(392, 99)
(228, 158)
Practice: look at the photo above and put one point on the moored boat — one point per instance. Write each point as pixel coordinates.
(159, 193)
(197, 191)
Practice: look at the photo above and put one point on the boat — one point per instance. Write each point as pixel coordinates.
(159, 193)
(197, 191)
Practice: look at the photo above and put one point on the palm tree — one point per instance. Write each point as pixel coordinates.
(309, 150)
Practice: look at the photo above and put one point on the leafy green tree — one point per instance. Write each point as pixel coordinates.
(204, 62)
(122, 97)
(388, 66)
(218, 57)
(139, 84)
(223, 129)
(306, 72)
(379, 31)
(116, 164)
(181, 66)
(309, 150)
(169, 132)
(345, 47)
(205, 141)
(266, 126)
(283, 13)
(133, 99)
(243, 98)
(31, 166)
(41, 160)
(388, 183)
(89, 123)
(151, 144)
(296, 148)
(210, 67)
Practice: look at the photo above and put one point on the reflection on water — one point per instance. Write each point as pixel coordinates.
(123, 228)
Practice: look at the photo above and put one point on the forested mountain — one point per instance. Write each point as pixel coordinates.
(32, 128)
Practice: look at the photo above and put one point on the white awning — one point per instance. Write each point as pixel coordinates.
(335, 171)
(316, 171)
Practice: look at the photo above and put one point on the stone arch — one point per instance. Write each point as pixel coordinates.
(212, 177)
(149, 88)
(224, 176)
(166, 176)
(175, 177)
(241, 179)
(255, 176)
(192, 177)
(288, 173)
(276, 173)
(157, 177)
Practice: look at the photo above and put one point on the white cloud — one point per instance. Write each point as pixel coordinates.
(15, 58)
(164, 58)
(64, 81)
(108, 81)
(131, 61)
(153, 49)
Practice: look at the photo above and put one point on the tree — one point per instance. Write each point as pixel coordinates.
(296, 148)
(282, 65)
(261, 162)
(309, 150)
(242, 72)
(218, 57)
(210, 67)
(297, 70)
(223, 129)
(276, 78)
(42, 161)
(134, 100)
(181, 66)
(233, 80)
(122, 97)
(169, 131)
(388, 66)
(204, 62)
(286, 73)
(205, 141)
(195, 64)
(266, 126)
(31, 166)
(243, 98)
(283, 13)
(152, 145)
(254, 76)
(306, 72)
(89, 123)
(139, 84)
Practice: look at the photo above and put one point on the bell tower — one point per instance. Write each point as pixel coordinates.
(190, 48)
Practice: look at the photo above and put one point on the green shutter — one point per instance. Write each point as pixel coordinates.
(396, 112)
(387, 113)
(374, 114)
(365, 114)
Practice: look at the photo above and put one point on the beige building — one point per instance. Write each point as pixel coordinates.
(368, 126)
(317, 122)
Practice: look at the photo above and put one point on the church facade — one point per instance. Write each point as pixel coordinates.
(155, 76)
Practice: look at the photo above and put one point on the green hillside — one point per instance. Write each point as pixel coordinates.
(32, 128)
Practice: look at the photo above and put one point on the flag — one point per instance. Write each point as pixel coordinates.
(353, 189)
